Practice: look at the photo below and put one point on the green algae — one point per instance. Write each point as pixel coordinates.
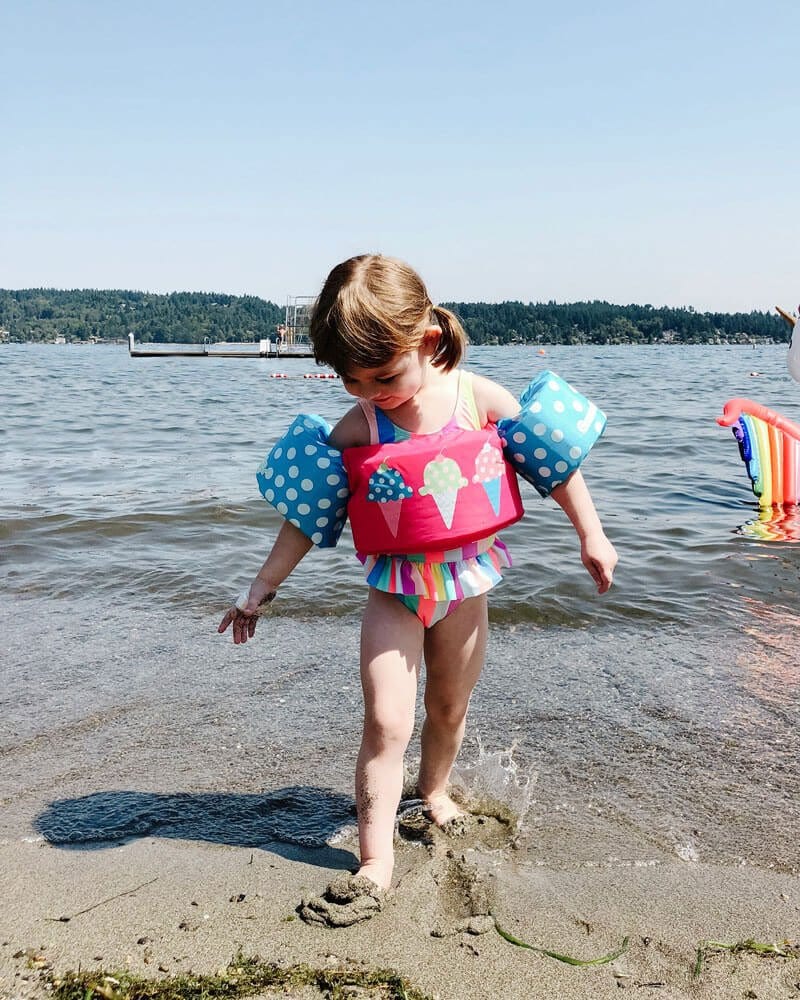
(761, 948)
(559, 957)
(242, 978)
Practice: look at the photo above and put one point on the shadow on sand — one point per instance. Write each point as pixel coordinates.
(293, 822)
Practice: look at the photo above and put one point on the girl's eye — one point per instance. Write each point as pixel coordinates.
(386, 379)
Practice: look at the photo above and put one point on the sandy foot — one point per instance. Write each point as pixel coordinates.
(348, 900)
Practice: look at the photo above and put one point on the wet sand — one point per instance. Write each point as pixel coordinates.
(162, 908)
(122, 782)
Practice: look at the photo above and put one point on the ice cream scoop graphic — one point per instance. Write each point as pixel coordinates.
(443, 480)
(388, 488)
(488, 472)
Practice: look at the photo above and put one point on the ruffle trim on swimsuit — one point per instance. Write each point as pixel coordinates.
(440, 576)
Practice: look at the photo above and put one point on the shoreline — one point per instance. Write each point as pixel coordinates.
(162, 908)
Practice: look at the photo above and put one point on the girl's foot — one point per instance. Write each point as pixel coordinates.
(441, 809)
(348, 900)
(379, 872)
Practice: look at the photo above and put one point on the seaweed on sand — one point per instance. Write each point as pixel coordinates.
(763, 949)
(243, 977)
(567, 959)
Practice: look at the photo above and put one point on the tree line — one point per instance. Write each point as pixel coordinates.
(44, 314)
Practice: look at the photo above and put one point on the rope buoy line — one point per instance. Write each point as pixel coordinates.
(315, 375)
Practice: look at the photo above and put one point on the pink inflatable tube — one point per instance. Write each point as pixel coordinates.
(734, 408)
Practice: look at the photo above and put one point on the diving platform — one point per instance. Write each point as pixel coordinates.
(266, 348)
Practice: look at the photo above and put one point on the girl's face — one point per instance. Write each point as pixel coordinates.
(394, 383)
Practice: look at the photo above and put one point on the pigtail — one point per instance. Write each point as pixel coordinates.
(453, 341)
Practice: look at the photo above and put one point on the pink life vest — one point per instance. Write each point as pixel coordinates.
(430, 493)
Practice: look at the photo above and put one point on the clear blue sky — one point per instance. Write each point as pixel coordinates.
(628, 151)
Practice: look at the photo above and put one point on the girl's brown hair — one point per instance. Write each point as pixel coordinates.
(372, 308)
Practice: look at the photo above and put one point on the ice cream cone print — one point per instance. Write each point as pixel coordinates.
(388, 489)
(492, 489)
(391, 514)
(443, 480)
(488, 472)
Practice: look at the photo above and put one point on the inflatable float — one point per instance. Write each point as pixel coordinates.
(769, 443)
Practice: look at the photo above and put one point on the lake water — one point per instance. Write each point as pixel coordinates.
(662, 717)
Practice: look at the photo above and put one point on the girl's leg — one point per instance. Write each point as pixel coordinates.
(455, 649)
(391, 654)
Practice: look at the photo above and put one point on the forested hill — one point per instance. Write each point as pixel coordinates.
(42, 314)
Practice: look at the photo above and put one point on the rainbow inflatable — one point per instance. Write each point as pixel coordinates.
(770, 448)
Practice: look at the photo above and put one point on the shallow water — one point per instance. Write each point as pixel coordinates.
(662, 717)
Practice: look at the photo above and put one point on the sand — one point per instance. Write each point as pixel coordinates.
(162, 907)
(86, 720)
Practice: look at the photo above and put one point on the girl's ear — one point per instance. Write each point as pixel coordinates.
(430, 339)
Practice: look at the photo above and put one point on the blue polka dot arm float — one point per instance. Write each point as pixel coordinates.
(304, 479)
(552, 434)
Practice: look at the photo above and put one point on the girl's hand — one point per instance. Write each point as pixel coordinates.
(599, 557)
(244, 614)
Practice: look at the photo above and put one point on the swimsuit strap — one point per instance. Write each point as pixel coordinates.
(368, 409)
(466, 414)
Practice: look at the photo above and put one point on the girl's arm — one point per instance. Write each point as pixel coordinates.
(493, 400)
(289, 548)
(598, 555)
(291, 545)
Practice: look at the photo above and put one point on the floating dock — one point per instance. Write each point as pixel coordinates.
(256, 349)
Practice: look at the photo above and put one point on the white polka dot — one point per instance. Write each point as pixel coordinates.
(558, 406)
(310, 449)
(553, 385)
(561, 466)
(555, 482)
(557, 435)
(518, 457)
(341, 511)
(309, 425)
(519, 437)
(282, 508)
(270, 495)
(291, 494)
(539, 429)
(322, 522)
(575, 452)
(316, 538)
(277, 453)
(342, 493)
(540, 453)
(269, 473)
(544, 472)
(323, 462)
(324, 503)
(577, 405)
(598, 426)
(332, 480)
(279, 481)
(294, 521)
(307, 485)
(536, 407)
(303, 509)
(299, 430)
(294, 472)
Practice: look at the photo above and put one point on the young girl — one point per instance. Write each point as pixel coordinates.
(403, 445)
